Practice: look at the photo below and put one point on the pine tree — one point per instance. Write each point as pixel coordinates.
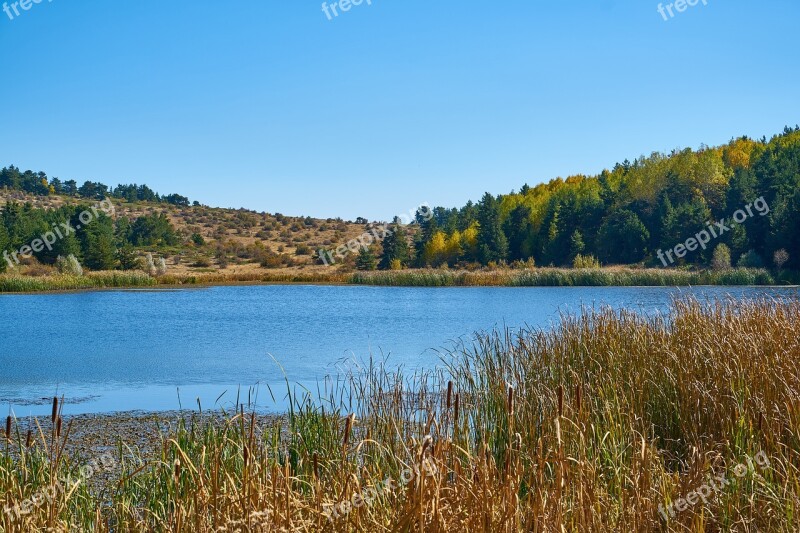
(492, 243)
(366, 259)
(395, 247)
(127, 258)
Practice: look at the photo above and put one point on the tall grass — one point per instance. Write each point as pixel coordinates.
(589, 426)
(563, 277)
(94, 280)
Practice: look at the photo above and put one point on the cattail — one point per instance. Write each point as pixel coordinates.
(177, 469)
(316, 466)
(246, 453)
(29, 439)
(455, 411)
(58, 427)
(449, 393)
(578, 391)
(560, 400)
(8, 427)
(54, 415)
(347, 428)
(511, 401)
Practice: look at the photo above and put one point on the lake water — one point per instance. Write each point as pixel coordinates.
(160, 350)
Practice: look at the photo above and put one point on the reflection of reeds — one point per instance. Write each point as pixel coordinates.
(588, 427)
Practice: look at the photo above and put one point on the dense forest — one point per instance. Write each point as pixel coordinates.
(103, 244)
(625, 215)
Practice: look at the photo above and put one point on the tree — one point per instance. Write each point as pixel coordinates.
(492, 243)
(750, 260)
(576, 244)
(622, 238)
(395, 247)
(366, 259)
(4, 245)
(722, 258)
(127, 258)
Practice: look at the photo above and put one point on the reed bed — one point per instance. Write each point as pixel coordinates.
(539, 277)
(564, 277)
(93, 280)
(589, 426)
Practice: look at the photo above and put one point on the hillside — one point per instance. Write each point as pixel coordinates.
(233, 240)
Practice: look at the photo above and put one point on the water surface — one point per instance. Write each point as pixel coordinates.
(160, 350)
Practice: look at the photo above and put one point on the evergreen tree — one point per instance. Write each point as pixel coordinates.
(127, 258)
(395, 247)
(492, 243)
(366, 259)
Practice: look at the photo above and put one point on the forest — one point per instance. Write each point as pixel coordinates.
(626, 215)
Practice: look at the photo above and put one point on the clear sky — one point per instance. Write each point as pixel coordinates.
(269, 105)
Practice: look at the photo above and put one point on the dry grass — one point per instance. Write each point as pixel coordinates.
(587, 427)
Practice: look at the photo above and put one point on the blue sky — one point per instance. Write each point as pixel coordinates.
(271, 106)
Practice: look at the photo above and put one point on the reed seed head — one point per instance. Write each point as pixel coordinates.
(560, 400)
(449, 393)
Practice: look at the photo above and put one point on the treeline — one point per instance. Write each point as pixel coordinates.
(38, 183)
(625, 215)
(102, 244)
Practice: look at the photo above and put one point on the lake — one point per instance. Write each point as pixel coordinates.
(160, 350)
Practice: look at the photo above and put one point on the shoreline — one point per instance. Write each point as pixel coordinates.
(538, 277)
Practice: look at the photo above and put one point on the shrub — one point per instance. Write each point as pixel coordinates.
(750, 260)
(585, 261)
(722, 258)
(780, 258)
(69, 265)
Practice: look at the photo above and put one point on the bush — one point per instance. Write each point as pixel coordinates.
(585, 261)
(69, 265)
(722, 258)
(780, 258)
(750, 260)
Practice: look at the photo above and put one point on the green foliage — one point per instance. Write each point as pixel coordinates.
(626, 214)
(585, 261)
(366, 259)
(722, 258)
(128, 258)
(395, 247)
(622, 238)
(153, 230)
(750, 260)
